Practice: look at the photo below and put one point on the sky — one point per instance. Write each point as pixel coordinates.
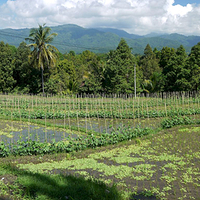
(134, 16)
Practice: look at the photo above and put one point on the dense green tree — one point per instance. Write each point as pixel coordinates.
(63, 78)
(157, 53)
(165, 55)
(176, 72)
(91, 73)
(27, 77)
(154, 84)
(183, 71)
(148, 53)
(194, 66)
(43, 54)
(6, 68)
(149, 63)
(87, 72)
(119, 72)
(80, 63)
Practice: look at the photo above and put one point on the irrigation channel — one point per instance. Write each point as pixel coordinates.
(58, 118)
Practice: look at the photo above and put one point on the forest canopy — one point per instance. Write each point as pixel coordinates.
(166, 70)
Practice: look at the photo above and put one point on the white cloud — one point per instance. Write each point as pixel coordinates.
(134, 16)
(180, 10)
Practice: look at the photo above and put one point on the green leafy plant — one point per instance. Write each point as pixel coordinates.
(4, 150)
(176, 120)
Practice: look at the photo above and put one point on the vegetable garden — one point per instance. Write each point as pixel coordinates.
(138, 153)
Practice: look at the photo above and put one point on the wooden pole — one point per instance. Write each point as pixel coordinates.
(135, 80)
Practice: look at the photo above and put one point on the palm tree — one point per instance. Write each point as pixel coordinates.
(43, 52)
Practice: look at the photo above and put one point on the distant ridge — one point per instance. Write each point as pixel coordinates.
(101, 40)
(120, 33)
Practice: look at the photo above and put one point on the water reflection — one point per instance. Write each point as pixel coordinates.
(12, 131)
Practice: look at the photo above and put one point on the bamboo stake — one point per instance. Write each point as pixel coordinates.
(147, 110)
(45, 128)
(86, 117)
(138, 110)
(193, 102)
(142, 106)
(28, 125)
(112, 115)
(54, 125)
(64, 121)
(157, 104)
(11, 132)
(98, 116)
(134, 117)
(77, 121)
(105, 110)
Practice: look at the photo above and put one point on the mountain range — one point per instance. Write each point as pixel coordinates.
(72, 37)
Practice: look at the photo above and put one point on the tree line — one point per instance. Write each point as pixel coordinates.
(40, 68)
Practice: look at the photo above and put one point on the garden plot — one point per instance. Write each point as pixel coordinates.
(13, 131)
(165, 165)
(107, 125)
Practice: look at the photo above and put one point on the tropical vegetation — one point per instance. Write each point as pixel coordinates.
(113, 126)
(164, 70)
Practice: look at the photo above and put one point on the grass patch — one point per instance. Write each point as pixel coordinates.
(163, 166)
(29, 185)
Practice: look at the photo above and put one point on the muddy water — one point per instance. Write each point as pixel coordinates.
(12, 131)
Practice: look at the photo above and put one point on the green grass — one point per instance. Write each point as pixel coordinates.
(160, 166)
(29, 185)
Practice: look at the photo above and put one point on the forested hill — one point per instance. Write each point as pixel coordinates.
(100, 40)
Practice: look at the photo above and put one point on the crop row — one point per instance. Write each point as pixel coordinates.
(125, 114)
(30, 147)
(100, 108)
(36, 148)
(95, 103)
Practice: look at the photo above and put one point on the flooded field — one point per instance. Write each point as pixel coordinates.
(12, 131)
(156, 163)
